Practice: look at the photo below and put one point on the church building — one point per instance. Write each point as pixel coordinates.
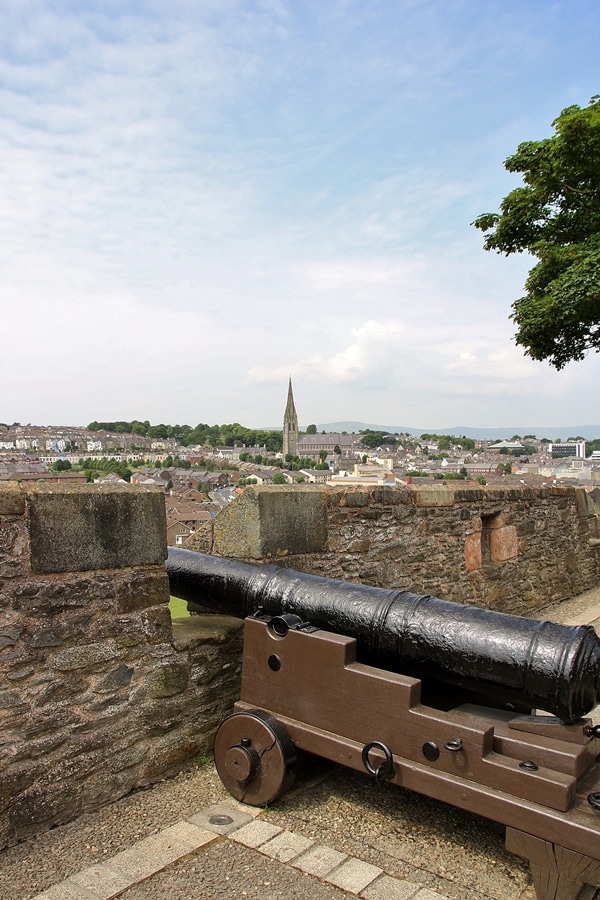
(290, 426)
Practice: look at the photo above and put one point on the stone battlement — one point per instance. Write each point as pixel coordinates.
(515, 549)
(101, 693)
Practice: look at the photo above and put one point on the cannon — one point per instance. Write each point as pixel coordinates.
(436, 697)
(510, 660)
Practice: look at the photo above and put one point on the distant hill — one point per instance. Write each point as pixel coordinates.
(588, 432)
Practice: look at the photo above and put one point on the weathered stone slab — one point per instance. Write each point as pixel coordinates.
(255, 833)
(84, 656)
(434, 495)
(277, 521)
(353, 875)
(503, 543)
(101, 881)
(387, 888)
(13, 547)
(319, 860)
(76, 528)
(12, 499)
(286, 846)
(167, 680)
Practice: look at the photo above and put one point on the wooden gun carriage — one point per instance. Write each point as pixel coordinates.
(459, 740)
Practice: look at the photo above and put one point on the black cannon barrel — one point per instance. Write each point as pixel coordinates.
(507, 658)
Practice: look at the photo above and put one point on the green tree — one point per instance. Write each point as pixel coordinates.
(555, 216)
(279, 478)
(312, 429)
(61, 465)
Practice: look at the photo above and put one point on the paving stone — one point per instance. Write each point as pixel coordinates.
(134, 864)
(319, 860)
(286, 846)
(353, 875)
(161, 850)
(255, 833)
(65, 891)
(252, 811)
(186, 833)
(221, 811)
(388, 888)
(102, 881)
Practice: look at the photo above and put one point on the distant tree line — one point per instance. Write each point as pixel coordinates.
(448, 441)
(205, 435)
(371, 438)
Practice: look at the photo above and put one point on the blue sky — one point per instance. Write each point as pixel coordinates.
(201, 199)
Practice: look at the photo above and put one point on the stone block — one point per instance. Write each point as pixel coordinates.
(357, 498)
(255, 833)
(13, 547)
(142, 588)
(57, 633)
(353, 875)
(473, 555)
(134, 865)
(156, 625)
(286, 846)
(433, 495)
(84, 656)
(167, 680)
(587, 503)
(319, 860)
(272, 521)
(114, 680)
(78, 528)
(101, 881)
(10, 634)
(503, 543)
(12, 499)
(388, 888)
(50, 595)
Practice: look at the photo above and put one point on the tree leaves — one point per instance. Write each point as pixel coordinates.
(556, 217)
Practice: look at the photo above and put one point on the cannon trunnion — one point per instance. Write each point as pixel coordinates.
(302, 689)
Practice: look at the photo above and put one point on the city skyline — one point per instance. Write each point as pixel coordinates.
(200, 202)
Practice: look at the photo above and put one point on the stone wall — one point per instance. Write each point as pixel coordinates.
(515, 550)
(99, 692)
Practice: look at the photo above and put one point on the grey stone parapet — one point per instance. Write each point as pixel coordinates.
(513, 549)
(100, 693)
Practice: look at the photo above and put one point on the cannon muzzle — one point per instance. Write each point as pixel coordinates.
(510, 659)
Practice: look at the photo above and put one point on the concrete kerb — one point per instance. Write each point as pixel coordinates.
(239, 825)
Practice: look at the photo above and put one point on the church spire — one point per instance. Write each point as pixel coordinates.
(290, 426)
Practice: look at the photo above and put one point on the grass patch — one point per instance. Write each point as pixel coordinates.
(178, 608)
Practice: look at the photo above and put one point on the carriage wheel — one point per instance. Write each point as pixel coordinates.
(255, 757)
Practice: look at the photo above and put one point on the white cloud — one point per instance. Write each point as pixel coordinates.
(373, 347)
(198, 200)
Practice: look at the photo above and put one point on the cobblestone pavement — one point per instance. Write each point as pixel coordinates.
(336, 834)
